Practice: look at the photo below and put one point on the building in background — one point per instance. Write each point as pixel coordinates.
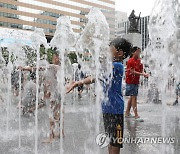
(144, 22)
(28, 14)
(122, 29)
(120, 18)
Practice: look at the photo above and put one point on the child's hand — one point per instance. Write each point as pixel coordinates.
(70, 87)
(146, 75)
(20, 68)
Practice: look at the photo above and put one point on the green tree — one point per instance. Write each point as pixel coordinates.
(73, 57)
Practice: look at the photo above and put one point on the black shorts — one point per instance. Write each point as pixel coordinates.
(114, 127)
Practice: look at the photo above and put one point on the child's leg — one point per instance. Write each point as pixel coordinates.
(57, 135)
(177, 96)
(113, 150)
(114, 127)
(134, 105)
(52, 135)
(52, 126)
(57, 117)
(129, 106)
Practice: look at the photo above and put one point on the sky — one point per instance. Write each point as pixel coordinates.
(143, 6)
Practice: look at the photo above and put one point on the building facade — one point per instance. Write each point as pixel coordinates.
(122, 29)
(28, 14)
(120, 18)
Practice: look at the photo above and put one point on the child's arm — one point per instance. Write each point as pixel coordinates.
(28, 68)
(88, 80)
(139, 73)
(132, 70)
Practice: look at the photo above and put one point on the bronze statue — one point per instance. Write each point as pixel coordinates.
(134, 22)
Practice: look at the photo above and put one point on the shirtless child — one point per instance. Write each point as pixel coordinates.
(51, 95)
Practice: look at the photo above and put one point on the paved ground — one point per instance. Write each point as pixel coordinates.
(80, 129)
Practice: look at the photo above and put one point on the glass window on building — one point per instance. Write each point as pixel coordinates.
(51, 30)
(9, 25)
(1, 23)
(1, 5)
(54, 23)
(10, 6)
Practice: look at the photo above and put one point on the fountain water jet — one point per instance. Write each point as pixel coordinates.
(38, 38)
(164, 30)
(63, 39)
(95, 38)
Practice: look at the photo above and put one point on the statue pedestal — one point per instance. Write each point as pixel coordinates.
(134, 38)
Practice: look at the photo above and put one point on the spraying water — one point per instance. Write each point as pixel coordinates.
(13, 50)
(63, 39)
(95, 38)
(163, 52)
(164, 31)
(38, 38)
(10, 68)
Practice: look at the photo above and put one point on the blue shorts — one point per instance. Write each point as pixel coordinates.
(132, 89)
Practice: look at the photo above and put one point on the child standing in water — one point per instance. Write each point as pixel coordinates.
(133, 73)
(51, 95)
(113, 107)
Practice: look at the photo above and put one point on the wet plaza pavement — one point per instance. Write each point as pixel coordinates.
(80, 134)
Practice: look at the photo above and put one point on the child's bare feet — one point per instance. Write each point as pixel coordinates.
(48, 140)
(53, 137)
(20, 106)
(58, 135)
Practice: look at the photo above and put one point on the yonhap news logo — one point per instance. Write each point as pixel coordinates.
(103, 140)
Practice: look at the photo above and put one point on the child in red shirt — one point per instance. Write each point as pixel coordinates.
(133, 73)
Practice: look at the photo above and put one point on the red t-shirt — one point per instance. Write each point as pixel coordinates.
(135, 64)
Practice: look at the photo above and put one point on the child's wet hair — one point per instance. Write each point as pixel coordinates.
(50, 53)
(55, 52)
(122, 44)
(134, 49)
